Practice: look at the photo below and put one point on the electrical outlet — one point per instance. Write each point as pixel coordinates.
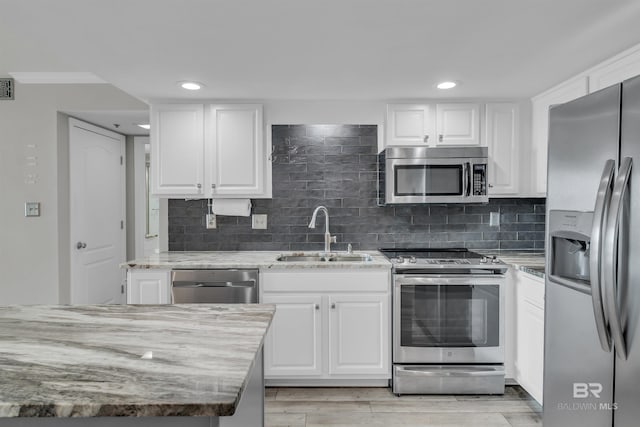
(211, 221)
(494, 219)
(32, 209)
(259, 221)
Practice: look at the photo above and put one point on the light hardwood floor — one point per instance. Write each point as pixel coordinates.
(357, 407)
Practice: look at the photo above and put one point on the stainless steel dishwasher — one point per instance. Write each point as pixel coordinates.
(214, 286)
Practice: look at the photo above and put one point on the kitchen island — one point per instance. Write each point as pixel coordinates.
(186, 365)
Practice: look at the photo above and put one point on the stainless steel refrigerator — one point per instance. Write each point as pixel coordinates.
(592, 299)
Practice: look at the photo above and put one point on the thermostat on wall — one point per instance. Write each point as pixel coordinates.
(32, 209)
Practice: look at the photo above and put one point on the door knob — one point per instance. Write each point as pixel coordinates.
(81, 245)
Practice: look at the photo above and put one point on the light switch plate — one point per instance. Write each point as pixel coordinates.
(32, 209)
(259, 221)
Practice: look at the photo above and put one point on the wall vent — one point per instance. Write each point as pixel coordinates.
(6, 89)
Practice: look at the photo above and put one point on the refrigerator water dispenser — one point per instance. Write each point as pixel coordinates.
(569, 248)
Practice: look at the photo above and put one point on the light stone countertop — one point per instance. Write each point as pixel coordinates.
(527, 262)
(246, 259)
(86, 361)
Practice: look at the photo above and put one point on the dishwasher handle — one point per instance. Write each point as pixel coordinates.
(222, 284)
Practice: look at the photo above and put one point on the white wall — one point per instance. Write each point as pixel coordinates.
(32, 250)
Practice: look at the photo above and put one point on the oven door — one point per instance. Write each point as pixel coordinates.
(448, 319)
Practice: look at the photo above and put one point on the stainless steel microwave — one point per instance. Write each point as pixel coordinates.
(432, 175)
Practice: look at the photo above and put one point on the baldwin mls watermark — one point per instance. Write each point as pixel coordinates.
(587, 391)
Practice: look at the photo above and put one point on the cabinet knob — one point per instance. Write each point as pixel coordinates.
(198, 185)
(441, 138)
(317, 306)
(333, 306)
(81, 245)
(426, 138)
(490, 185)
(213, 186)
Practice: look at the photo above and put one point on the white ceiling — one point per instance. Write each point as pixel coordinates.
(324, 49)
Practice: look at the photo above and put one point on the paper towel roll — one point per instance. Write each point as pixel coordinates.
(232, 207)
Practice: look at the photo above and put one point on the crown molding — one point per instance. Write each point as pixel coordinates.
(28, 77)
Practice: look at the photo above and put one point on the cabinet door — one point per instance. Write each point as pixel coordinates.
(458, 124)
(293, 344)
(409, 124)
(148, 287)
(177, 149)
(530, 334)
(359, 334)
(568, 91)
(502, 140)
(236, 158)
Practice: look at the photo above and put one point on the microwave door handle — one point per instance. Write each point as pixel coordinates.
(467, 179)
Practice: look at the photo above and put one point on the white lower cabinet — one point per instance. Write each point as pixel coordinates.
(294, 343)
(529, 359)
(148, 286)
(329, 324)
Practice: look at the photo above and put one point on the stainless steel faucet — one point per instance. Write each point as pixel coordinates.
(328, 238)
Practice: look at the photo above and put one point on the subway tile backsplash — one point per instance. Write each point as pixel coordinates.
(335, 166)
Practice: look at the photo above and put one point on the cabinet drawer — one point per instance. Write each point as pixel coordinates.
(532, 289)
(326, 280)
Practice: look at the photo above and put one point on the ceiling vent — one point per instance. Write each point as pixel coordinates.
(6, 89)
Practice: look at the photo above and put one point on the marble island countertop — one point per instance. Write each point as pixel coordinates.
(246, 259)
(100, 361)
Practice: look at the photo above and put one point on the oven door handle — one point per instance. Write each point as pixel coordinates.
(425, 372)
(443, 280)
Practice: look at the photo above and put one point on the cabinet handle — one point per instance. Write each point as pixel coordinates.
(426, 138)
(198, 185)
(333, 306)
(317, 306)
(441, 138)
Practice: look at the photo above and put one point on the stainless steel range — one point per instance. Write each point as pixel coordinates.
(448, 321)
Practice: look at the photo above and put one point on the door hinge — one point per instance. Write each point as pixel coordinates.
(121, 225)
(121, 160)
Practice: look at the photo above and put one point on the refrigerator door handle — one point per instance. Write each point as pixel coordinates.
(611, 257)
(597, 233)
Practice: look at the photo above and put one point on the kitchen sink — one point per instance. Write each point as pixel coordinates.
(302, 257)
(351, 257)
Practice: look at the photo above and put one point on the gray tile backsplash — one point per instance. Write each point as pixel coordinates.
(335, 166)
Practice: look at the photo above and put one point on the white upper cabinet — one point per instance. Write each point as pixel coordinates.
(432, 125)
(502, 140)
(177, 149)
(566, 92)
(458, 124)
(409, 124)
(235, 159)
(209, 151)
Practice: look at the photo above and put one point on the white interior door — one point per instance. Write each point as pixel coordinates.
(97, 213)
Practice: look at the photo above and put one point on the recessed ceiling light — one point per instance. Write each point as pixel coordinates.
(145, 126)
(446, 85)
(191, 85)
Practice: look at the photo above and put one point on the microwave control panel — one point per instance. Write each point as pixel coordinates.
(479, 180)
